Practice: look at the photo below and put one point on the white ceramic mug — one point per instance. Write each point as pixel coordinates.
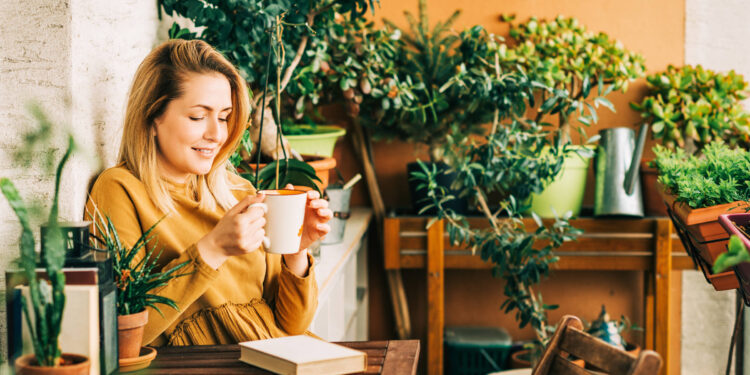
(285, 215)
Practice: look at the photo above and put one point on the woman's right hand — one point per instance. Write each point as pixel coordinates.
(239, 232)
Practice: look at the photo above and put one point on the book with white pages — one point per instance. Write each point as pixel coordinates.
(302, 355)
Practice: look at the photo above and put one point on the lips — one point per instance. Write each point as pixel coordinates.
(205, 152)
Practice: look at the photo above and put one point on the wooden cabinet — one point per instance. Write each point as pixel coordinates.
(341, 273)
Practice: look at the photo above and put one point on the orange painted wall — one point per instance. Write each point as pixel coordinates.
(654, 29)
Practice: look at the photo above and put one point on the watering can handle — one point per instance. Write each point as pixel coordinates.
(635, 164)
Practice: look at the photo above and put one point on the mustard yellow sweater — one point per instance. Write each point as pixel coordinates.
(250, 297)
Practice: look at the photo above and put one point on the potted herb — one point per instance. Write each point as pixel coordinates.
(268, 41)
(136, 275)
(699, 189)
(582, 68)
(510, 163)
(47, 297)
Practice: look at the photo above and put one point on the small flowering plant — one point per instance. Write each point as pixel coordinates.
(136, 277)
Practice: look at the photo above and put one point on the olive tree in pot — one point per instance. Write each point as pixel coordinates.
(47, 297)
(268, 41)
(583, 68)
(517, 158)
(689, 107)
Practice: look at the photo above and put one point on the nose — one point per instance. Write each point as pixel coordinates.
(214, 130)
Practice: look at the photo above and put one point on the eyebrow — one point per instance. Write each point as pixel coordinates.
(209, 108)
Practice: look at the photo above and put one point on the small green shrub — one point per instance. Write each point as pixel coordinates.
(721, 175)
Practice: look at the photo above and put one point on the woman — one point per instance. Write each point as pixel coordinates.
(186, 112)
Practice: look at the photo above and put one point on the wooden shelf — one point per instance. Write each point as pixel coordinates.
(647, 244)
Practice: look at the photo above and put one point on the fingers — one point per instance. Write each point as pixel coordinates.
(323, 229)
(243, 204)
(325, 213)
(313, 195)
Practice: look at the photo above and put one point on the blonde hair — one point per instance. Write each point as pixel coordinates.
(159, 80)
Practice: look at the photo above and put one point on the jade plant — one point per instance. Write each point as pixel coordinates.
(721, 175)
(508, 164)
(691, 106)
(47, 297)
(581, 66)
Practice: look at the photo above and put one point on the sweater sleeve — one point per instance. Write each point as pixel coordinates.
(294, 298)
(115, 198)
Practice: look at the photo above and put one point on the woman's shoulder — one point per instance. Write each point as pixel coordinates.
(117, 175)
(117, 178)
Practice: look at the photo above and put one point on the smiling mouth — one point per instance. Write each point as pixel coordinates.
(205, 151)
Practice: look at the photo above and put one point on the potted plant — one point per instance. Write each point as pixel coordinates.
(699, 189)
(135, 277)
(510, 163)
(689, 107)
(611, 331)
(270, 40)
(583, 68)
(47, 297)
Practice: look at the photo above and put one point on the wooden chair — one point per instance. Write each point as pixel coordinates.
(569, 339)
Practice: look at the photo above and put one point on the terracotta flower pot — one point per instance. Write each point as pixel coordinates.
(704, 233)
(520, 359)
(72, 364)
(321, 165)
(652, 201)
(130, 333)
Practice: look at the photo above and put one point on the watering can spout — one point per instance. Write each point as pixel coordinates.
(635, 163)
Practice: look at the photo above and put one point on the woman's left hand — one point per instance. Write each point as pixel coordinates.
(317, 214)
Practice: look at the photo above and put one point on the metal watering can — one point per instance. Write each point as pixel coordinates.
(618, 188)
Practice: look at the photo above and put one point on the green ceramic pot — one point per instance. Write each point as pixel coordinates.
(565, 193)
(320, 143)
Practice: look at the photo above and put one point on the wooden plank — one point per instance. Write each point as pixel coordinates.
(589, 225)
(391, 243)
(648, 309)
(435, 298)
(676, 323)
(612, 263)
(662, 303)
(596, 352)
(400, 306)
(402, 358)
(610, 243)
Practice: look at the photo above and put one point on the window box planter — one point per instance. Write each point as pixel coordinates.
(704, 238)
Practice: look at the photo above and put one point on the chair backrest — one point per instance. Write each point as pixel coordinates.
(569, 339)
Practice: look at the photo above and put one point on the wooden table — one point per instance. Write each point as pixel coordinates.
(648, 245)
(394, 357)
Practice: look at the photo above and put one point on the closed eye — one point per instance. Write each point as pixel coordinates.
(197, 118)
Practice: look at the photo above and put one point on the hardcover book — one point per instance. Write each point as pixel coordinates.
(302, 355)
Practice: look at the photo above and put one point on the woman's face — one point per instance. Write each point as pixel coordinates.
(193, 127)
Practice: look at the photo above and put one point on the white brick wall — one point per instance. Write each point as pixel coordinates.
(82, 52)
